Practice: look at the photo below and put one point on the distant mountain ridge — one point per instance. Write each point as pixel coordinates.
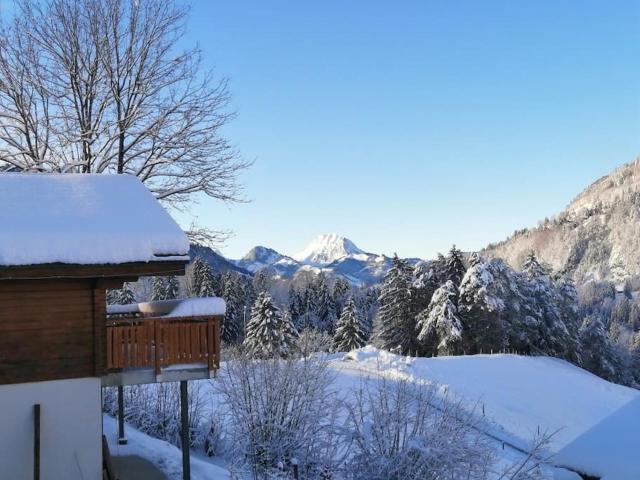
(332, 254)
(597, 236)
(217, 262)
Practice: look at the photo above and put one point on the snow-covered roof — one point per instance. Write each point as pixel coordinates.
(84, 219)
(187, 307)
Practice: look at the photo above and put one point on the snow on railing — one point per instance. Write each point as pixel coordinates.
(184, 307)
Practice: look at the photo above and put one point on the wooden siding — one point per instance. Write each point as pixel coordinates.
(51, 329)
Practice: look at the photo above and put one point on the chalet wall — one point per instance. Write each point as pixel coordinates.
(71, 429)
(48, 332)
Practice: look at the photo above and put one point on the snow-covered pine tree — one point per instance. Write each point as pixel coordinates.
(553, 335)
(595, 348)
(125, 295)
(172, 288)
(395, 323)
(269, 333)
(341, 292)
(322, 304)
(439, 266)
(349, 333)
(207, 282)
(425, 282)
(634, 352)
(261, 281)
(367, 305)
(296, 307)
(112, 297)
(567, 302)
(454, 266)
(196, 273)
(248, 295)
(532, 267)
(232, 324)
(439, 324)
(481, 306)
(158, 289)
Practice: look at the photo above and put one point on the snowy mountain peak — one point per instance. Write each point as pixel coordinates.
(260, 257)
(263, 255)
(327, 248)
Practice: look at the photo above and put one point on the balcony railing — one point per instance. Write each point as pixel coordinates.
(159, 343)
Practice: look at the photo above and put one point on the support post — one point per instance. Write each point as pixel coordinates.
(122, 440)
(184, 414)
(36, 441)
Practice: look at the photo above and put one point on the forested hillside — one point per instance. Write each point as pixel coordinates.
(597, 236)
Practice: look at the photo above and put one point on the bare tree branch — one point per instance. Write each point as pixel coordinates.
(103, 86)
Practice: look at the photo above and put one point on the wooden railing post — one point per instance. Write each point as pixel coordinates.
(210, 340)
(156, 342)
(216, 336)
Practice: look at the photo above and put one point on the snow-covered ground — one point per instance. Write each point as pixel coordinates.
(167, 457)
(597, 423)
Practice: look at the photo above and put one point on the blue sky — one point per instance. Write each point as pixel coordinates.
(410, 125)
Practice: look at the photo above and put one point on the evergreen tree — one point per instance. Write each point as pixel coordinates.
(171, 287)
(322, 305)
(196, 274)
(454, 266)
(122, 296)
(269, 333)
(439, 324)
(349, 330)
(595, 348)
(567, 302)
(232, 324)
(125, 295)
(395, 324)
(532, 267)
(261, 281)
(296, 307)
(208, 286)
(369, 308)
(439, 266)
(553, 336)
(158, 289)
(481, 306)
(340, 294)
(634, 367)
(425, 283)
(164, 288)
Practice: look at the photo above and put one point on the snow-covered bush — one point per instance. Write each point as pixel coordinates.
(155, 410)
(281, 415)
(402, 430)
(312, 340)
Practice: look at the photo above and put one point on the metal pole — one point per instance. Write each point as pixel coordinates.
(184, 413)
(36, 441)
(121, 438)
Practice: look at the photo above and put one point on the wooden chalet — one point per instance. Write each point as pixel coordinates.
(64, 241)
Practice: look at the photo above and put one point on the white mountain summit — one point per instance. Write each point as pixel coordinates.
(332, 254)
(327, 248)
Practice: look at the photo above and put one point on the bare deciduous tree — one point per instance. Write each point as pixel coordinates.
(97, 86)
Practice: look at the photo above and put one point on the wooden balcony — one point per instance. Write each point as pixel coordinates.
(150, 349)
